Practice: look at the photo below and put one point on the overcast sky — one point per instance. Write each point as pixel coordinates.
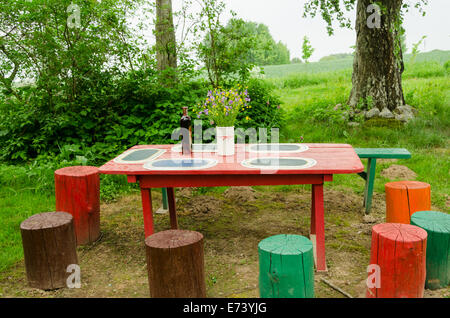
(286, 24)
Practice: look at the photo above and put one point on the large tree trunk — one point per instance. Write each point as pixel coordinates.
(166, 49)
(378, 62)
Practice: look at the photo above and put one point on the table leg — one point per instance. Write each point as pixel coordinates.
(172, 208)
(146, 195)
(313, 214)
(165, 205)
(318, 227)
(370, 178)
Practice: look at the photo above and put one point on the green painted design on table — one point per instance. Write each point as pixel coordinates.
(140, 154)
(437, 225)
(286, 267)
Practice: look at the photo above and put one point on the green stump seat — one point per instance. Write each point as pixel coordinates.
(286, 267)
(437, 225)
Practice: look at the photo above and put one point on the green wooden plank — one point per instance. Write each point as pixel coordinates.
(385, 153)
(164, 199)
(437, 225)
(286, 266)
(370, 179)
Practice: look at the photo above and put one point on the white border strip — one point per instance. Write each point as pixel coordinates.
(126, 153)
(309, 163)
(149, 165)
(301, 148)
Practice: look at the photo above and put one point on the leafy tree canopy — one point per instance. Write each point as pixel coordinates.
(267, 51)
(334, 10)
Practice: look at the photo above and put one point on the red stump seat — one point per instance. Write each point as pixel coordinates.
(404, 198)
(77, 191)
(399, 251)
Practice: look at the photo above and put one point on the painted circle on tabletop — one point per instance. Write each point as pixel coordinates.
(139, 155)
(279, 163)
(276, 148)
(180, 164)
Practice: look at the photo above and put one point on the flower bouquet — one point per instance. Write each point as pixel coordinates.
(222, 107)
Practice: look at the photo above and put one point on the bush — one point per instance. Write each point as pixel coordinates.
(101, 123)
(265, 111)
(447, 66)
(116, 115)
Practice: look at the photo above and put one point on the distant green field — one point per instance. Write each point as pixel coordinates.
(274, 71)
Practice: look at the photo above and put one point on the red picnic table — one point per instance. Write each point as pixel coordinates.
(164, 166)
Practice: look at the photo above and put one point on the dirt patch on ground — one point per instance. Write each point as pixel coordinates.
(398, 172)
(201, 205)
(184, 192)
(241, 194)
(381, 161)
(115, 266)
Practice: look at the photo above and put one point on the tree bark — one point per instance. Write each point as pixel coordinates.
(49, 247)
(378, 62)
(166, 49)
(175, 263)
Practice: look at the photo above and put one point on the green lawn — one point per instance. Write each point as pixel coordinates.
(277, 71)
(25, 191)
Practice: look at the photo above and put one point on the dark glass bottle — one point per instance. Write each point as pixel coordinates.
(185, 122)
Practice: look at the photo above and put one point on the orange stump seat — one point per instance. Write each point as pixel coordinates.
(77, 191)
(404, 198)
(398, 255)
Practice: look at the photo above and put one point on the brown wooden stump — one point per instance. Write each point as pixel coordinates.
(175, 264)
(77, 191)
(49, 246)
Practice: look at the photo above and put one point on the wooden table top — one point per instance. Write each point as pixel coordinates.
(329, 159)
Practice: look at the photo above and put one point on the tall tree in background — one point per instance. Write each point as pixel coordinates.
(378, 61)
(307, 49)
(267, 50)
(166, 45)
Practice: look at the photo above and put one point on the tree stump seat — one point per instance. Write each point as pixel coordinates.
(404, 198)
(175, 263)
(49, 247)
(399, 252)
(77, 191)
(286, 267)
(437, 225)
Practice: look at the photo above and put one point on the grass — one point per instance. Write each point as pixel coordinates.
(309, 100)
(309, 94)
(28, 190)
(278, 71)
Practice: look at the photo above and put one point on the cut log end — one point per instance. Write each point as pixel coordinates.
(77, 171)
(400, 232)
(173, 239)
(437, 225)
(46, 220)
(404, 198)
(49, 246)
(175, 261)
(286, 267)
(77, 191)
(399, 252)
